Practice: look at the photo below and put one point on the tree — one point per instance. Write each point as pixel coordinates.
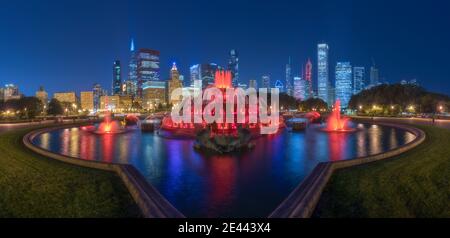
(27, 107)
(313, 104)
(396, 98)
(55, 108)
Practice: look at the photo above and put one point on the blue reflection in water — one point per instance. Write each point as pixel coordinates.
(245, 184)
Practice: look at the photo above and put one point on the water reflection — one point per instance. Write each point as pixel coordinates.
(245, 184)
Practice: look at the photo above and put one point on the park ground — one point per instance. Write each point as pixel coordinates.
(34, 186)
(413, 184)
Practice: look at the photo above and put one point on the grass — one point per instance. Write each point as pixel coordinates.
(35, 186)
(414, 184)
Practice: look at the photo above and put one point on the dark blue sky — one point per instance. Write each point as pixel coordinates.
(69, 45)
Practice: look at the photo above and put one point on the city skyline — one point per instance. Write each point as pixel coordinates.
(87, 55)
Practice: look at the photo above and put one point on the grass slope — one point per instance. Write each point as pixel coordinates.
(414, 184)
(35, 186)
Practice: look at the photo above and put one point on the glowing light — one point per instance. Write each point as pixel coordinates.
(335, 122)
(223, 79)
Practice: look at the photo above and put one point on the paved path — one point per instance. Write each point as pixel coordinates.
(12, 126)
(418, 121)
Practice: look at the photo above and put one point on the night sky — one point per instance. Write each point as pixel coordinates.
(70, 45)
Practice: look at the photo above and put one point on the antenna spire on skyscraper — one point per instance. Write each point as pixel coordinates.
(132, 45)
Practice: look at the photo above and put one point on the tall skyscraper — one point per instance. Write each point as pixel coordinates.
(288, 82)
(308, 79)
(323, 73)
(374, 76)
(204, 73)
(266, 82)
(358, 79)
(147, 68)
(174, 83)
(98, 92)
(233, 66)
(131, 82)
(300, 88)
(117, 78)
(343, 87)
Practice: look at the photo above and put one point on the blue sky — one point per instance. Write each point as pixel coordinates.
(70, 45)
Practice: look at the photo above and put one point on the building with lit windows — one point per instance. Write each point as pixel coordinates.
(253, 84)
(204, 73)
(147, 68)
(323, 73)
(87, 101)
(288, 82)
(358, 79)
(131, 82)
(117, 78)
(10, 92)
(343, 88)
(300, 88)
(266, 82)
(98, 92)
(153, 94)
(233, 67)
(66, 97)
(308, 80)
(374, 76)
(174, 83)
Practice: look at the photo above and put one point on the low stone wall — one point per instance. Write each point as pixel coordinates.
(302, 202)
(151, 203)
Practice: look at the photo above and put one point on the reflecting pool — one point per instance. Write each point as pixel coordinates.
(244, 184)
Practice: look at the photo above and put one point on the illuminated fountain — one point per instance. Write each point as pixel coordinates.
(109, 126)
(335, 122)
(223, 81)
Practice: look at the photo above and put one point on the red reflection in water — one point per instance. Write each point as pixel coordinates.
(223, 178)
(336, 143)
(108, 147)
(87, 147)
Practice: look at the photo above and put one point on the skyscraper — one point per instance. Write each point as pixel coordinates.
(323, 73)
(205, 73)
(289, 78)
(233, 66)
(343, 83)
(98, 92)
(358, 79)
(117, 78)
(147, 68)
(374, 76)
(266, 82)
(252, 84)
(300, 88)
(131, 82)
(174, 83)
(308, 80)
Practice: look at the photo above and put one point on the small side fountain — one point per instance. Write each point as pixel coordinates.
(335, 122)
(109, 126)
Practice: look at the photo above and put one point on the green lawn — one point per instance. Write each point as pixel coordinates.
(34, 186)
(414, 184)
